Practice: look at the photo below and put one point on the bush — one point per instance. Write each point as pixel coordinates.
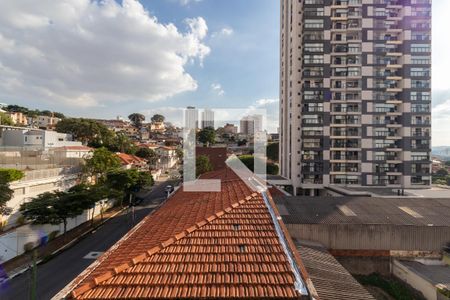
(9, 175)
(397, 289)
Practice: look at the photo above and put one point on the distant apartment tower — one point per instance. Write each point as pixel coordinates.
(207, 118)
(355, 93)
(230, 128)
(191, 117)
(251, 124)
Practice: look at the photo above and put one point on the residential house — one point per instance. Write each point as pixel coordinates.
(129, 161)
(167, 157)
(34, 138)
(18, 118)
(231, 243)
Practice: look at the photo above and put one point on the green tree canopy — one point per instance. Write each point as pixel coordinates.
(54, 208)
(242, 142)
(147, 154)
(137, 119)
(442, 172)
(6, 193)
(248, 161)
(85, 130)
(158, 118)
(128, 181)
(101, 162)
(5, 119)
(202, 165)
(272, 151)
(207, 136)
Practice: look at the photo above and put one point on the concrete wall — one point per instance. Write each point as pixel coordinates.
(366, 265)
(414, 280)
(12, 242)
(373, 237)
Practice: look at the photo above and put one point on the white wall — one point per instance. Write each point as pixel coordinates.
(12, 243)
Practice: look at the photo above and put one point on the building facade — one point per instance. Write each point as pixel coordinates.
(207, 118)
(355, 93)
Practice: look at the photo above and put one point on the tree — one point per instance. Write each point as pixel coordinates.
(101, 162)
(272, 151)
(207, 136)
(442, 172)
(147, 154)
(202, 165)
(158, 118)
(248, 161)
(137, 119)
(85, 130)
(54, 208)
(242, 142)
(5, 119)
(123, 144)
(6, 193)
(128, 181)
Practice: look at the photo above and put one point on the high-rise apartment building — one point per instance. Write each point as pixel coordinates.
(207, 118)
(251, 124)
(355, 93)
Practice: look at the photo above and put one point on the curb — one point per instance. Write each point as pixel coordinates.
(62, 248)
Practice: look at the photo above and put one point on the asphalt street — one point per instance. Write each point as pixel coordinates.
(55, 274)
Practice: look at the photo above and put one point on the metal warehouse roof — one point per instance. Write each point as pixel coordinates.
(331, 280)
(365, 210)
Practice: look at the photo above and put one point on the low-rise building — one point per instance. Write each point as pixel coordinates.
(11, 137)
(47, 122)
(167, 157)
(18, 118)
(129, 161)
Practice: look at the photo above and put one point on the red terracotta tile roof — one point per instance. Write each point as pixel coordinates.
(128, 159)
(197, 245)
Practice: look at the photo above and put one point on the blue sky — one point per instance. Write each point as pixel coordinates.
(106, 58)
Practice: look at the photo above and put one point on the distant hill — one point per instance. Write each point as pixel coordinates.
(441, 151)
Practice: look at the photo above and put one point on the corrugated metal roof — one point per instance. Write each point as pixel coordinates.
(368, 210)
(331, 280)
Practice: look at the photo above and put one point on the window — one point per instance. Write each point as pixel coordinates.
(420, 48)
(313, 23)
(313, 47)
(420, 72)
(421, 60)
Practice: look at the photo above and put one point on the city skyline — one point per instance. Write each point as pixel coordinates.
(217, 35)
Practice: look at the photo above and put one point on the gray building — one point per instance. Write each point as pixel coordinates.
(207, 118)
(355, 93)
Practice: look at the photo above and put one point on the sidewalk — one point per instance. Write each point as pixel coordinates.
(21, 263)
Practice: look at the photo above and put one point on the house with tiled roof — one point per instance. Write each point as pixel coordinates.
(130, 161)
(226, 244)
(212, 245)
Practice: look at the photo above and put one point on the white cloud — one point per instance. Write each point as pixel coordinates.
(186, 2)
(88, 53)
(224, 32)
(441, 123)
(217, 88)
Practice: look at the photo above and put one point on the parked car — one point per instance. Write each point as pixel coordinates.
(169, 189)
